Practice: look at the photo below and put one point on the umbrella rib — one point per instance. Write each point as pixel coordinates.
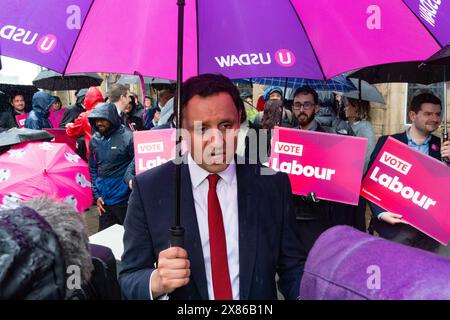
(12, 183)
(78, 35)
(307, 37)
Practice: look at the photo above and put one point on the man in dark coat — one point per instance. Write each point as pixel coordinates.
(240, 228)
(110, 153)
(10, 109)
(132, 120)
(72, 112)
(313, 216)
(425, 114)
(7, 120)
(38, 117)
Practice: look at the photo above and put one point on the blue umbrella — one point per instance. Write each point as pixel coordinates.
(339, 83)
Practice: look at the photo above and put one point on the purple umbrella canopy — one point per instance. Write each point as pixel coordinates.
(252, 38)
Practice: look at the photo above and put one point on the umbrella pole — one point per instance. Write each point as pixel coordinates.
(177, 231)
(283, 107)
(445, 137)
(444, 116)
(359, 89)
(285, 88)
(68, 97)
(143, 90)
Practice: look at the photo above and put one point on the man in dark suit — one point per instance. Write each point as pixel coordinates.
(240, 228)
(425, 114)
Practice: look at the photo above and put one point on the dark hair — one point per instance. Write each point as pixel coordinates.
(148, 97)
(133, 104)
(166, 92)
(118, 90)
(307, 90)
(15, 95)
(209, 84)
(417, 101)
(57, 99)
(272, 114)
(362, 108)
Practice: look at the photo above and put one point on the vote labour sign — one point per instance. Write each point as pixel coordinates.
(21, 119)
(405, 181)
(329, 165)
(153, 148)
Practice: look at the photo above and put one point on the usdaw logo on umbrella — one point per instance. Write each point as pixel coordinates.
(284, 57)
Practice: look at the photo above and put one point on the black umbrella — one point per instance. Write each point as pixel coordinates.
(442, 59)
(412, 72)
(435, 69)
(54, 81)
(27, 92)
(157, 83)
(15, 136)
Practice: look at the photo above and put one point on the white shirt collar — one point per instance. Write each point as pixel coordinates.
(198, 174)
(118, 110)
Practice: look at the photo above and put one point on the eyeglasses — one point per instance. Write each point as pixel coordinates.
(306, 105)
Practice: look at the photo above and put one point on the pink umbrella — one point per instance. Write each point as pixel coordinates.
(38, 168)
(253, 38)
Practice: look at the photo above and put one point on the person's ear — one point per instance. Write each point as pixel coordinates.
(412, 116)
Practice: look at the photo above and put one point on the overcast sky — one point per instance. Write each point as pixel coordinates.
(17, 72)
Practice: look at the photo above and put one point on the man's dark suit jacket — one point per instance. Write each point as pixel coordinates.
(387, 230)
(268, 240)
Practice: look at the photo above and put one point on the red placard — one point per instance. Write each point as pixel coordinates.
(62, 137)
(330, 165)
(405, 181)
(153, 148)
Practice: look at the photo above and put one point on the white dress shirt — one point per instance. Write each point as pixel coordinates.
(227, 194)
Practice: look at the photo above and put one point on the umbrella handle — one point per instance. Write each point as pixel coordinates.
(176, 234)
(445, 138)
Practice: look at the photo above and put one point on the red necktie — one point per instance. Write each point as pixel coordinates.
(218, 245)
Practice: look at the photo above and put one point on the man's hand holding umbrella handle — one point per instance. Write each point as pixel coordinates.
(391, 218)
(100, 209)
(173, 271)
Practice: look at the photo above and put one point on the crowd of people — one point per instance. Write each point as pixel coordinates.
(242, 228)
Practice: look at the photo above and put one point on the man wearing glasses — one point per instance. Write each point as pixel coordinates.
(313, 216)
(305, 107)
